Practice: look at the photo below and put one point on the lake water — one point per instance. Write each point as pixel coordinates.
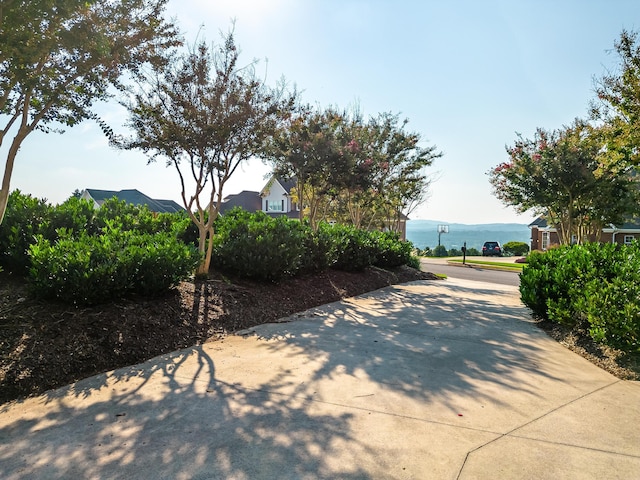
(424, 233)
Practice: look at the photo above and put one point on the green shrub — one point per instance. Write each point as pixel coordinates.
(535, 283)
(440, 251)
(128, 217)
(355, 249)
(255, 245)
(320, 249)
(24, 219)
(594, 283)
(73, 216)
(612, 301)
(424, 252)
(552, 281)
(414, 262)
(516, 248)
(390, 250)
(89, 270)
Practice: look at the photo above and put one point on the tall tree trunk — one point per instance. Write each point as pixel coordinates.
(8, 170)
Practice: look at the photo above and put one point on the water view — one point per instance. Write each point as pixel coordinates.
(424, 233)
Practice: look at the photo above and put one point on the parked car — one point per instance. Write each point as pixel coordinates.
(491, 248)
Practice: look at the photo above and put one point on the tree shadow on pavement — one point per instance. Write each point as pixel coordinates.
(300, 400)
(470, 344)
(171, 418)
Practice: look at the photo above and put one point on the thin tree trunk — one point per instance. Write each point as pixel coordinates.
(300, 187)
(8, 170)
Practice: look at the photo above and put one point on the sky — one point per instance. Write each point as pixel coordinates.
(468, 75)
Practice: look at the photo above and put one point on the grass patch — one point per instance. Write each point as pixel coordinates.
(516, 267)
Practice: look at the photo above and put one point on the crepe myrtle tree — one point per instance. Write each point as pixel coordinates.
(305, 147)
(347, 169)
(59, 57)
(382, 171)
(394, 161)
(565, 175)
(205, 114)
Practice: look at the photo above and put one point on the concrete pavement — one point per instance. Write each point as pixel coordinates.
(440, 379)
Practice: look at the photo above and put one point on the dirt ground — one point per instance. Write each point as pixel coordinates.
(45, 345)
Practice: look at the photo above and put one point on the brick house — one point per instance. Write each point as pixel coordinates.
(543, 236)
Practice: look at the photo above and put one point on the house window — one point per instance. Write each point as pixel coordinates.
(628, 239)
(275, 206)
(545, 240)
(574, 239)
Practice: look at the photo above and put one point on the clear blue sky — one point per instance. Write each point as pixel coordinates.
(467, 74)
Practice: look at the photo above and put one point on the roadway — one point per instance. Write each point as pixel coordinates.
(467, 272)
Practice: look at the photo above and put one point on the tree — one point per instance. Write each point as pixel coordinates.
(363, 173)
(565, 175)
(305, 148)
(59, 57)
(383, 176)
(399, 182)
(619, 101)
(205, 114)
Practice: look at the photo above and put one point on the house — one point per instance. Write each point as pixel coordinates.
(275, 199)
(544, 236)
(135, 197)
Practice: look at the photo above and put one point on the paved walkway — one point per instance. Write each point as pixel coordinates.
(439, 380)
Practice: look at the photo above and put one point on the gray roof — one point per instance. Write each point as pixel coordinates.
(136, 197)
(287, 184)
(101, 195)
(246, 199)
(171, 206)
(632, 224)
(539, 222)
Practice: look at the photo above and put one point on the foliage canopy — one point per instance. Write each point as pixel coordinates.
(205, 114)
(59, 57)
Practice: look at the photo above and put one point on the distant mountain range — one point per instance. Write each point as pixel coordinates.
(424, 233)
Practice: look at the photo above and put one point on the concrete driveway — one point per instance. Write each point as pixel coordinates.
(441, 379)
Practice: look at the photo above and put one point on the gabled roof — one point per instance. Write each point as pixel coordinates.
(539, 222)
(101, 195)
(171, 206)
(135, 197)
(286, 184)
(246, 199)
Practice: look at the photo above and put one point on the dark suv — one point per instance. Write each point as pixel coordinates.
(491, 248)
